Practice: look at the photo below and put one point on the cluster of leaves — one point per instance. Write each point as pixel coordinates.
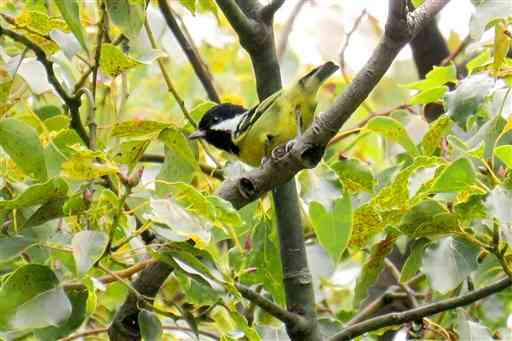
(75, 219)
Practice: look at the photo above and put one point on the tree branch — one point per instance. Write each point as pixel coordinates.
(309, 148)
(392, 319)
(195, 60)
(272, 308)
(267, 12)
(72, 102)
(236, 17)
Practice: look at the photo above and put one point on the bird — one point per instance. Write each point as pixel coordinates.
(252, 134)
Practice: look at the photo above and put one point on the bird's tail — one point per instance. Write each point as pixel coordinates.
(318, 75)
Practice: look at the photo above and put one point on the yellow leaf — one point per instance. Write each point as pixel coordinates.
(113, 61)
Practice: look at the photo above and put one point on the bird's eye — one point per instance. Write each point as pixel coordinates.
(216, 119)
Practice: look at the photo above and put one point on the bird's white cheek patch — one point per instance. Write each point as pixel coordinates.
(227, 125)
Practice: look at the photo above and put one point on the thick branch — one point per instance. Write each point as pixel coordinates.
(268, 11)
(195, 60)
(309, 148)
(420, 312)
(236, 17)
(72, 102)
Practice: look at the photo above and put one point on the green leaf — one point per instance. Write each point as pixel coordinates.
(70, 10)
(355, 175)
(128, 15)
(113, 61)
(465, 100)
(429, 219)
(479, 61)
(320, 184)
(88, 248)
(372, 268)
(504, 153)
(438, 76)
(25, 296)
(499, 203)
(429, 95)
(264, 257)
(38, 194)
(129, 152)
(458, 176)
(448, 262)
(21, 142)
(11, 247)
(435, 134)
(83, 165)
(225, 213)
(180, 162)
(150, 325)
(393, 130)
(190, 5)
(78, 298)
(138, 128)
(415, 259)
(333, 227)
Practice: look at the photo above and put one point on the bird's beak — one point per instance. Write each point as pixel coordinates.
(198, 134)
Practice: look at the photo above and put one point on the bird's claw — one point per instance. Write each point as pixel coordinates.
(280, 151)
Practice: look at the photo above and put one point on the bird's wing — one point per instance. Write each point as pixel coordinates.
(251, 116)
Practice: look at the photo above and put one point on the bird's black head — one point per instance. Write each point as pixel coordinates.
(217, 124)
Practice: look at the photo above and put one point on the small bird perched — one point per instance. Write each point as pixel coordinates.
(252, 134)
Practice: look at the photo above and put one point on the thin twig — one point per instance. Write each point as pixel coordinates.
(125, 273)
(206, 169)
(72, 102)
(455, 53)
(357, 22)
(396, 275)
(392, 319)
(172, 90)
(84, 334)
(202, 72)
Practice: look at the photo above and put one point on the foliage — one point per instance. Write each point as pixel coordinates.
(79, 219)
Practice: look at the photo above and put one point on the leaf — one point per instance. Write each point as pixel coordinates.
(504, 153)
(129, 152)
(356, 176)
(85, 167)
(372, 268)
(320, 184)
(113, 61)
(333, 227)
(458, 176)
(498, 203)
(479, 61)
(180, 162)
(501, 44)
(366, 223)
(38, 194)
(150, 325)
(21, 142)
(414, 260)
(485, 12)
(225, 213)
(128, 15)
(428, 219)
(471, 331)
(138, 128)
(182, 224)
(78, 299)
(435, 134)
(35, 313)
(88, 248)
(11, 247)
(28, 289)
(448, 262)
(70, 10)
(429, 95)
(393, 130)
(465, 100)
(190, 5)
(264, 257)
(438, 76)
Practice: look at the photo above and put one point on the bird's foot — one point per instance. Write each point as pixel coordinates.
(280, 151)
